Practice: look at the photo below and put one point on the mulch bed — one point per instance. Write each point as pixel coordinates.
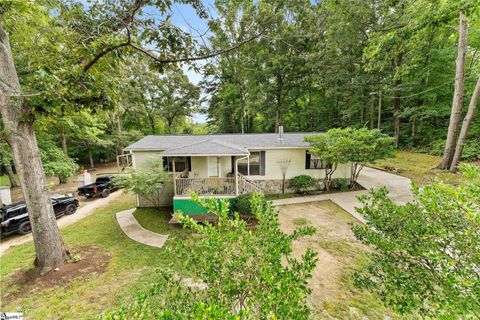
(93, 261)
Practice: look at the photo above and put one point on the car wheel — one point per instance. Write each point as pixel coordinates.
(24, 228)
(105, 193)
(71, 209)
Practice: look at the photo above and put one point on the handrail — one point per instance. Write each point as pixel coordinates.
(247, 186)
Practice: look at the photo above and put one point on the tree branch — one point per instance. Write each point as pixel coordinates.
(202, 57)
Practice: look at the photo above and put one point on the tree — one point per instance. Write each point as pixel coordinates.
(462, 137)
(457, 95)
(6, 162)
(332, 148)
(424, 256)
(56, 163)
(355, 146)
(147, 182)
(241, 274)
(366, 146)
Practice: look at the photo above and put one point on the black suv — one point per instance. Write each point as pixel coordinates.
(14, 217)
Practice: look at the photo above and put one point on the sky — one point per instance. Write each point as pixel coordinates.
(185, 17)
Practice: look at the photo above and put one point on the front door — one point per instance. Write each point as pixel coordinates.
(212, 167)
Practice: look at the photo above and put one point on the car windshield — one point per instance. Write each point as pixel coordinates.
(103, 179)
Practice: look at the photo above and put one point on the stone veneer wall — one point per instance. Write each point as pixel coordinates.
(275, 186)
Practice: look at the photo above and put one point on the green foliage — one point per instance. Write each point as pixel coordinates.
(239, 273)
(425, 256)
(146, 182)
(349, 145)
(342, 184)
(302, 183)
(471, 151)
(243, 204)
(55, 162)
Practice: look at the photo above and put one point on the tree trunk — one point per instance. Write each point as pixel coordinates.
(457, 95)
(90, 157)
(63, 139)
(397, 100)
(467, 121)
(11, 176)
(50, 249)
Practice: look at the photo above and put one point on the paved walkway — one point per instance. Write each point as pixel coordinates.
(86, 208)
(369, 178)
(136, 232)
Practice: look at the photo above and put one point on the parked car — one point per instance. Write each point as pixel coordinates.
(14, 217)
(102, 186)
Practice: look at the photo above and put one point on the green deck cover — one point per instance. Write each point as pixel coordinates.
(189, 206)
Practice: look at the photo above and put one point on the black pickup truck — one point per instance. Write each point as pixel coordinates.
(14, 217)
(102, 186)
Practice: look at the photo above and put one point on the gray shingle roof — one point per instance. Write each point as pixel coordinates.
(212, 146)
(248, 141)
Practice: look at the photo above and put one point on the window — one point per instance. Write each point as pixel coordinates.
(254, 166)
(314, 162)
(181, 163)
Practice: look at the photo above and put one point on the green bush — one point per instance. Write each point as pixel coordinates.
(243, 203)
(302, 183)
(341, 184)
(471, 151)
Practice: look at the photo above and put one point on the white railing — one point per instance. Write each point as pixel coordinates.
(246, 186)
(205, 186)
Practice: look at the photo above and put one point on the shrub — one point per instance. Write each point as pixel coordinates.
(471, 152)
(426, 258)
(341, 184)
(302, 183)
(243, 203)
(237, 273)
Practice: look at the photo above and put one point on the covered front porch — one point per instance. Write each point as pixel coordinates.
(209, 168)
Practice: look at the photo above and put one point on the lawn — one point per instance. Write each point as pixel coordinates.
(419, 167)
(131, 268)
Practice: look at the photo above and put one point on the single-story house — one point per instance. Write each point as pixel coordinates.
(227, 165)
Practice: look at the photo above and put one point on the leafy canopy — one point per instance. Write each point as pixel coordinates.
(426, 253)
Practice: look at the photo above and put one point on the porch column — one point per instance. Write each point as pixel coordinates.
(236, 177)
(174, 177)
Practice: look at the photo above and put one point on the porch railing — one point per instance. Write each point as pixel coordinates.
(247, 186)
(205, 186)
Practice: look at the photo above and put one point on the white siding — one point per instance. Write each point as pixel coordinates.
(272, 169)
(296, 167)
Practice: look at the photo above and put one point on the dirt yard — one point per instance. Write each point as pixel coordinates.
(333, 294)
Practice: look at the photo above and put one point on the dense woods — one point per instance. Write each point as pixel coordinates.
(385, 64)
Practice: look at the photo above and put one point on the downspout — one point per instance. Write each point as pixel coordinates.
(236, 173)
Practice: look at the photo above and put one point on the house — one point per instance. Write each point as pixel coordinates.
(227, 165)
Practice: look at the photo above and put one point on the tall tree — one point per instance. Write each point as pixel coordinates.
(457, 103)
(467, 121)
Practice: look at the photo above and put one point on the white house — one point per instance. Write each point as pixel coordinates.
(226, 165)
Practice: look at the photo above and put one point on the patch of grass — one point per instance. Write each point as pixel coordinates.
(421, 168)
(301, 221)
(156, 220)
(4, 181)
(132, 267)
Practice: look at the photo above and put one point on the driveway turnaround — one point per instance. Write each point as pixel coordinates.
(399, 188)
(136, 232)
(85, 209)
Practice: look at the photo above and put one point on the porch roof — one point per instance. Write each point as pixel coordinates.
(210, 147)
